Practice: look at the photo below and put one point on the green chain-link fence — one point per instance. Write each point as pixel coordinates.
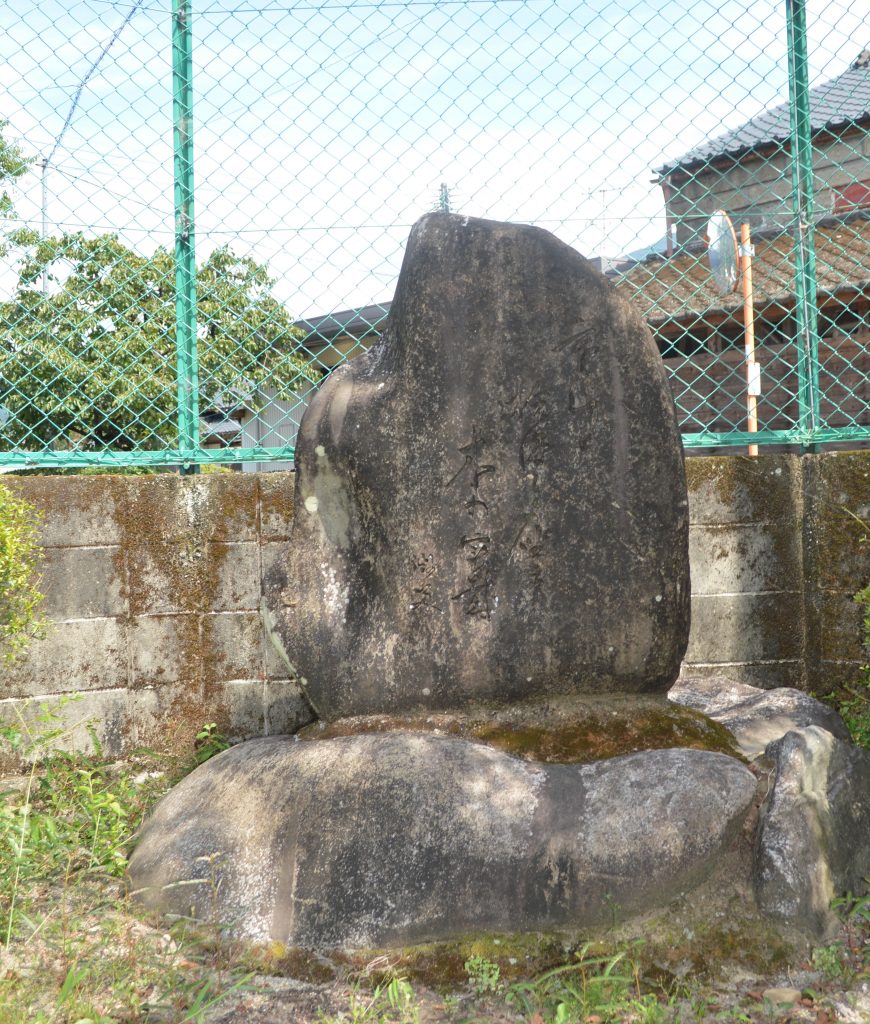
(203, 207)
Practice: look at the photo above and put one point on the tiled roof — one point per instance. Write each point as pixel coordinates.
(350, 321)
(682, 287)
(842, 101)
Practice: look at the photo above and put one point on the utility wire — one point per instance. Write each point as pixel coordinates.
(290, 8)
(286, 8)
(88, 178)
(87, 78)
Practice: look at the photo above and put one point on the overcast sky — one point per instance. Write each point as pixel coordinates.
(323, 131)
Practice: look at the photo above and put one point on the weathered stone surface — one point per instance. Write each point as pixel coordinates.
(756, 717)
(397, 838)
(491, 503)
(813, 839)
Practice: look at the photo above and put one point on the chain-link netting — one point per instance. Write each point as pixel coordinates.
(204, 204)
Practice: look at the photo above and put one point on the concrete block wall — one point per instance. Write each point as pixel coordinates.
(152, 586)
(746, 560)
(153, 583)
(777, 555)
(836, 535)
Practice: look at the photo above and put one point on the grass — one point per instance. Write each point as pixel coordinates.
(389, 1002)
(72, 951)
(848, 959)
(602, 988)
(606, 987)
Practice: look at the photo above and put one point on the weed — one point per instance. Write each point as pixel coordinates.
(401, 1001)
(451, 1004)
(853, 702)
(853, 952)
(855, 706)
(74, 816)
(851, 909)
(483, 975)
(613, 907)
(207, 993)
(828, 960)
(603, 986)
(849, 958)
(208, 742)
(392, 1002)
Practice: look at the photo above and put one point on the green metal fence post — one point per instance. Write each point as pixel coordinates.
(185, 257)
(806, 308)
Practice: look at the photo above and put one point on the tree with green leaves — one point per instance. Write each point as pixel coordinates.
(91, 361)
(13, 165)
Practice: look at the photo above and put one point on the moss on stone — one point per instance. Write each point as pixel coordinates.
(839, 511)
(441, 965)
(276, 959)
(598, 738)
(661, 951)
(574, 730)
(704, 950)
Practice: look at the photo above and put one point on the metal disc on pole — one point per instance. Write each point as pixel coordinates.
(722, 252)
(728, 264)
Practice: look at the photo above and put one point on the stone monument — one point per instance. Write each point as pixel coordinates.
(490, 556)
(491, 503)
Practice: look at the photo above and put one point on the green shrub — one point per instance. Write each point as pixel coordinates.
(20, 619)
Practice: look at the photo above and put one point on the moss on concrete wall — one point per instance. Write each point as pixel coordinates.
(153, 586)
